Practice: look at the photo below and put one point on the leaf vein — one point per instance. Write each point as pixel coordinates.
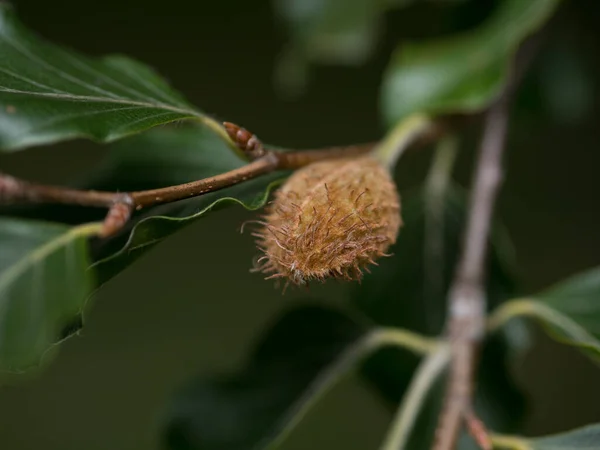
(41, 62)
(85, 66)
(30, 81)
(58, 119)
(92, 99)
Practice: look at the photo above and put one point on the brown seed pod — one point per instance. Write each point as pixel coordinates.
(330, 219)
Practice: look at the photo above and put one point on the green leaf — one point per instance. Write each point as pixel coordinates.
(461, 73)
(579, 298)
(328, 32)
(152, 229)
(570, 311)
(333, 30)
(231, 412)
(256, 407)
(409, 290)
(48, 94)
(46, 273)
(154, 159)
(584, 438)
(162, 155)
(44, 283)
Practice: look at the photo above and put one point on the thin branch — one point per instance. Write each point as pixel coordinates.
(121, 205)
(16, 190)
(402, 424)
(263, 165)
(467, 301)
(478, 430)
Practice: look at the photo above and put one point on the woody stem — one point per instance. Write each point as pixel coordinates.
(121, 205)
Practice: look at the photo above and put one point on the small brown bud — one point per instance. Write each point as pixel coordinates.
(244, 140)
(330, 219)
(10, 189)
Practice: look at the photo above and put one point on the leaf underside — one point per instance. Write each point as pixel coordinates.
(172, 154)
(585, 438)
(570, 311)
(44, 283)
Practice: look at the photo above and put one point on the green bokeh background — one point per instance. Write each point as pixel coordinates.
(191, 306)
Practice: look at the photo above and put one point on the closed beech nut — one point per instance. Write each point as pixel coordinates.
(330, 219)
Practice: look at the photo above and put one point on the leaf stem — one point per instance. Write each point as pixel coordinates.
(389, 151)
(509, 310)
(398, 337)
(354, 355)
(509, 442)
(421, 383)
(537, 310)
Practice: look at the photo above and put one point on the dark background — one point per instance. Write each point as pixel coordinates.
(191, 305)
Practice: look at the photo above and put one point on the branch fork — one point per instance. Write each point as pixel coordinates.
(467, 302)
(467, 299)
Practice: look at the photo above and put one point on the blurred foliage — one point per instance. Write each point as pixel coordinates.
(570, 311)
(461, 73)
(65, 268)
(309, 340)
(259, 405)
(44, 284)
(48, 269)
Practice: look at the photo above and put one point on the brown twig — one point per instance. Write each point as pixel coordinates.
(467, 301)
(122, 205)
(478, 431)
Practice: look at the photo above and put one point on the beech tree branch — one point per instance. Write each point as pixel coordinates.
(467, 299)
(121, 205)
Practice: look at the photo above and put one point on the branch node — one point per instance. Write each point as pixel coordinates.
(11, 189)
(478, 431)
(246, 141)
(118, 215)
(121, 205)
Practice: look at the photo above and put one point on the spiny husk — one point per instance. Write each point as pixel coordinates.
(330, 219)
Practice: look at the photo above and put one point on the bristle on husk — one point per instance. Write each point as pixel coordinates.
(330, 219)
